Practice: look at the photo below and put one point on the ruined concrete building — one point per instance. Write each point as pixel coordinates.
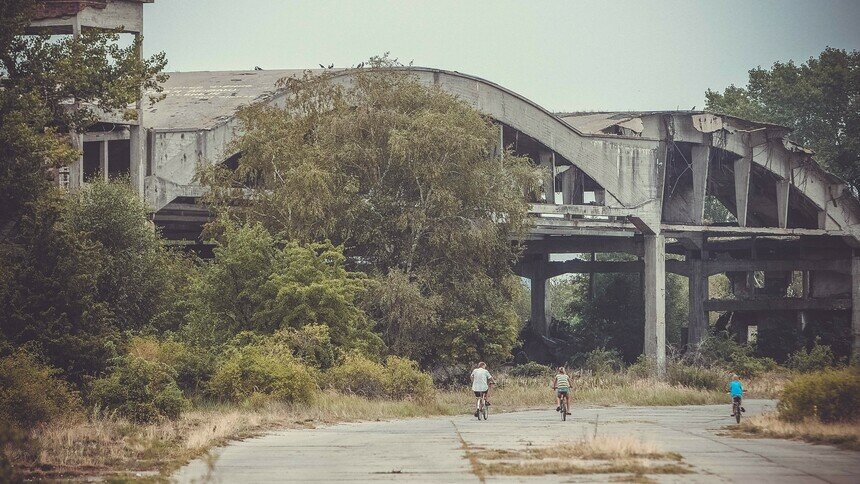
(633, 182)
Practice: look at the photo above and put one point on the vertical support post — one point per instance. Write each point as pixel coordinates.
(783, 188)
(501, 141)
(654, 286)
(697, 319)
(547, 163)
(700, 158)
(742, 166)
(571, 186)
(540, 310)
(137, 157)
(591, 280)
(103, 159)
(855, 308)
(76, 169)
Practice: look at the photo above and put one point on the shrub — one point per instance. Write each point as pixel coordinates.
(602, 361)
(819, 358)
(140, 390)
(31, 394)
(829, 396)
(679, 373)
(721, 350)
(262, 369)
(406, 379)
(644, 367)
(531, 370)
(193, 365)
(360, 375)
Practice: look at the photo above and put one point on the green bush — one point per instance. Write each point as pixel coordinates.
(193, 365)
(360, 375)
(531, 370)
(679, 373)
(262, 369)
(406, 379)
(829, 396)
(819, 358)
(721, 350)
(602, 361)
(140, 390)
(644, 367)
(31, 394)
(398, 378)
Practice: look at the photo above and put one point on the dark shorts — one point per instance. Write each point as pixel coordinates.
(736, 399)
(480, 394)
(562, 391)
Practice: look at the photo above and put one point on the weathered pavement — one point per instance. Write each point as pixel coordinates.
(431, 449)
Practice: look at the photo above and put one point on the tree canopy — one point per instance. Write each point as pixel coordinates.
(817, 99)
(403, 176)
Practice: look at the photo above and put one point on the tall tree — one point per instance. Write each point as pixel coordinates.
(402, 175)
(819, 100)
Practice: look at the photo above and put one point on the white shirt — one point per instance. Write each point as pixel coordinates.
(480, 377)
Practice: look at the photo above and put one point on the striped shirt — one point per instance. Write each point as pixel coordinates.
(562, 381)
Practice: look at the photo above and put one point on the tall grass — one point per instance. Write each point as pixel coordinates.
(844, 434)
(104, 444)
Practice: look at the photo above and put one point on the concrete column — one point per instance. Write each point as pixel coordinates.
(137, 146)
(697, 319)
(76, 169)
(547, 164)
(103, 159)
(654, 288)
(855, 308)
(783, 188)
(540, 311)
(742, 187)
(701, 156)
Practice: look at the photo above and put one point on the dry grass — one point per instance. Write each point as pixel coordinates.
(103, 445)
(766, 385)
(843, 435)
(602, 455)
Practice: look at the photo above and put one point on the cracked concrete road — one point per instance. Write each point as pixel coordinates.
(431, 449)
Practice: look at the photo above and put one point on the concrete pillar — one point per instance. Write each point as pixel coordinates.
(547, 164)
(783, 188)
(103, 159)
(855, 308)
(540, 310)
(701, 156)
(697, 319)
(742, 187)
(571, 186)
(76, 169)
(654, 289)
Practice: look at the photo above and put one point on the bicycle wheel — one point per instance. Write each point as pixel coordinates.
(738, 413)
(484, 410)
(563, 410)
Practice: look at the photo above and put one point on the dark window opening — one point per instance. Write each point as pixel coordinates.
(119, 158)
(92, 163)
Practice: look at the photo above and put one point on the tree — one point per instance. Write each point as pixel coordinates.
(44, 76)
(816, 99)
(402, 176)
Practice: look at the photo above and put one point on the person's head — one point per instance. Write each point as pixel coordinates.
(561, 370)
(482, 365)
(735, 378)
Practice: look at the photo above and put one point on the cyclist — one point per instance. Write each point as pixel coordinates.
(737, 392)
(561, 385)
(481, 381)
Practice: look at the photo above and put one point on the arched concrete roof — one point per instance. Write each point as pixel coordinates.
(629, 165)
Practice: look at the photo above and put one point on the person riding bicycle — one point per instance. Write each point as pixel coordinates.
(737, 392)
(561, 385)
(481, 381)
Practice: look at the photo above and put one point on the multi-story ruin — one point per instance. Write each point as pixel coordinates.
(621, 182)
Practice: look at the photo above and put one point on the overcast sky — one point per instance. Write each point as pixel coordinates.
(565, 55)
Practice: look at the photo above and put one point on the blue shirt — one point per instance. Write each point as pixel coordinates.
(736, 389)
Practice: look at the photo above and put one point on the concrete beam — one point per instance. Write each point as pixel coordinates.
(581, 245)
(654, 289)
(748, 265)
(547, 164)
(777, 304)
(558, 268)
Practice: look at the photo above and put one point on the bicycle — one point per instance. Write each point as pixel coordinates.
(563, 408)
(483, 408)
(736, 408)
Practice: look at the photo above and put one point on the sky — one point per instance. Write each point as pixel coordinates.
(564, 55)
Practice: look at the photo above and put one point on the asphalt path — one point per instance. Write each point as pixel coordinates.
(434, 449)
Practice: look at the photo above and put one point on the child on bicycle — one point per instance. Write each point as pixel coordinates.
(561, 385)
(737, 392)
(481, 381)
